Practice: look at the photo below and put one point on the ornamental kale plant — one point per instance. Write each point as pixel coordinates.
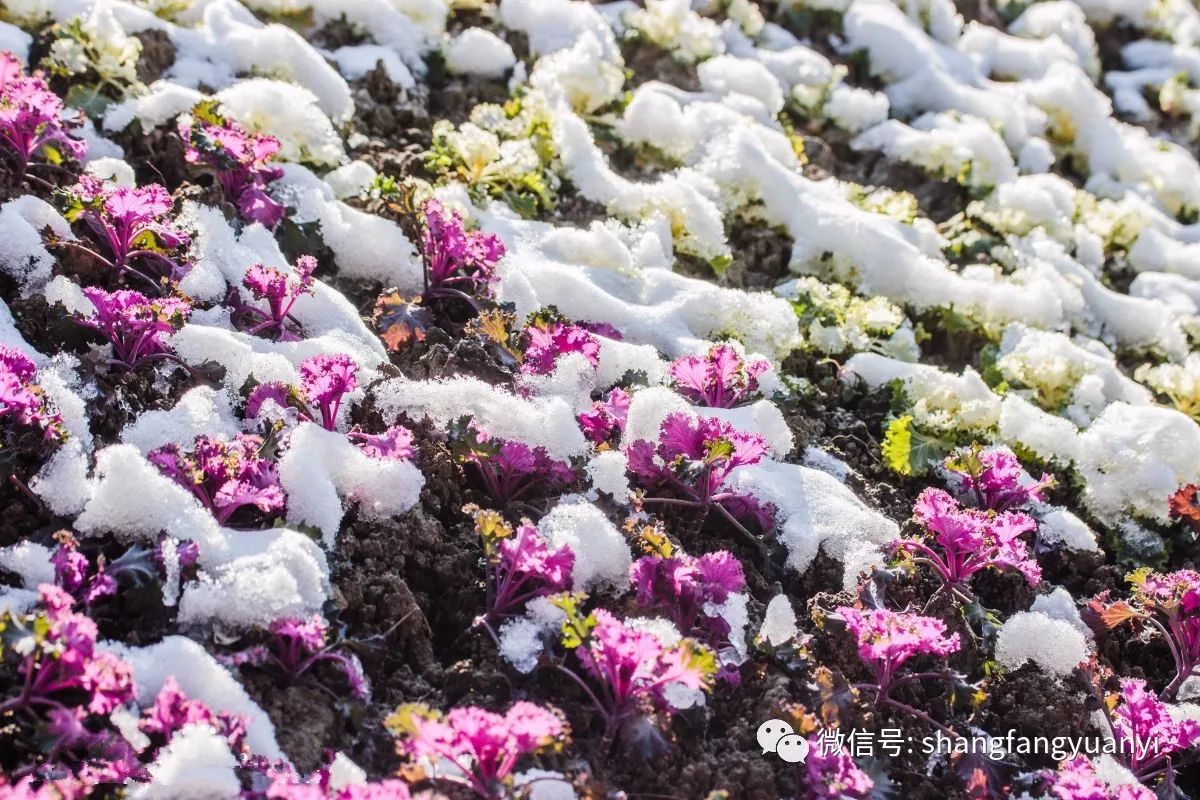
(459, 264)
(98, 59)
(296, 646)
(287, 785)
(67, 689)
(172, 710)
(33, 121)
(394, 444)
(969, 540)
(325, 379)
(74, 573)
(509, 469)
(1184, 504)
(602, 329)
(225, 476)
(131, 226)
(135, 325)
(720, 378)
(87, 581)
(1148, 738)
(547, 339)
(689, 590)
(29, 422)
(886, 640)
(483, 748)
(834, 775)
(632, 669)
(521, 566)
(459, 269)
(834, 321)
(61, 658)
(502, 152)
(689, 464)
(280, 292)
(992, 479)
(1169, 603)
(238, 159)
(83, 752)
(607, 417)
(1077, 780)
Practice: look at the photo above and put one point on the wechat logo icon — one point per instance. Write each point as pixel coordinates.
(777, 736)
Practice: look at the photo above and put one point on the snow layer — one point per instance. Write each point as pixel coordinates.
(320, 467)
(602, 557)
(1053, 644)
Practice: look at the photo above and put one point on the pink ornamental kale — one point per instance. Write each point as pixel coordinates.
(60, 664)
(483, 747)
(689, 591)
(325, 381)
(23, 406)
(834, 775)
(548, 340)
(75, 573)
(287, 785)
(224, 476)
(1077, 780)
(690, 462)
(459, 264)
(993, 479)
(279, 292)
(969, 540)
(297, 645)
(82, 754)
(887, 639)
(1147, 735)
(172, 710)
(29, 788)
(521, 565)
(32, 120)
(135, 325)
(131, 226)
(1171, 603)
(633, 668)
(510, 469)
(239, 159)
(607, 417)
(394, 444)
(720, 378)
